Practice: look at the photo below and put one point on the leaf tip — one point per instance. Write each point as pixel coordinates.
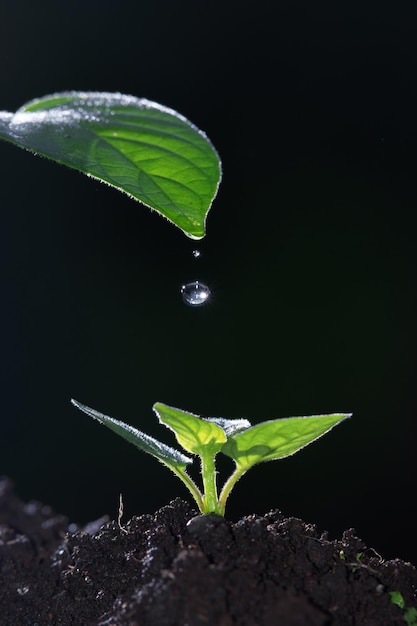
(193, 236)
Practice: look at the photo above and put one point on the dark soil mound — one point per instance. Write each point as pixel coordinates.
(176, 568)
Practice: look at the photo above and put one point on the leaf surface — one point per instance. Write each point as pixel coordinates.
(276, 439)
(194, 434)
(230, 426)
(164, 453)
(149, 151)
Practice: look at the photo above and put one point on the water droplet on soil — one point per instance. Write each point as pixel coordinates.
(195, 293)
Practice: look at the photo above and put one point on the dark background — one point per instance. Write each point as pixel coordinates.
(310, 254)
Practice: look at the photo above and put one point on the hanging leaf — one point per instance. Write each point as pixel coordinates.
(142, 148)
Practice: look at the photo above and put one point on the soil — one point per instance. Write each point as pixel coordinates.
(177, 568)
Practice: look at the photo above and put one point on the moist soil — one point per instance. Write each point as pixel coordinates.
(178, 568)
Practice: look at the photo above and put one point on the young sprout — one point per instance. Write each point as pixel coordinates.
(205, 437)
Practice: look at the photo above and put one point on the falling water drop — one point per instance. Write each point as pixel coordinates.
(195, 293)
(196, 254)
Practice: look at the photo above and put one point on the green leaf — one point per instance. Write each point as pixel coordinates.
(230, 427)
(410, 616)
(277, 439)
(165, 454)
(142, 148)
(397, 598)
(194, 434)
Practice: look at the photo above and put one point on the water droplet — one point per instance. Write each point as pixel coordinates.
(22, 591)
(195, 293)
(196, 254)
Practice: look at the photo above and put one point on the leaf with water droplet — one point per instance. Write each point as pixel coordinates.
(149, 151)
(276, 439)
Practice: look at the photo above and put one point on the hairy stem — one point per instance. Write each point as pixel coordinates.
(228, 486)
(192, 487)
(208, 472)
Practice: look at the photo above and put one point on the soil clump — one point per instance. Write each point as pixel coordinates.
(177, 568)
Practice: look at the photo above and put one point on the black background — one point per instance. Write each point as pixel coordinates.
(310, 254)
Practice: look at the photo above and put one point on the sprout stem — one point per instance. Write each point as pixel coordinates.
(228, 486)
(208, 472)
(190, 484)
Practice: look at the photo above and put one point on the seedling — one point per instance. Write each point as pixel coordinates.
(246, 445)
(158, 157)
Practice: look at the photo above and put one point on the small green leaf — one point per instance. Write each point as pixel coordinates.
(277, 439)
(397, 598)
(410, 616)
(230, 427)
(196, 435)
(165, 454)
(149, 151)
